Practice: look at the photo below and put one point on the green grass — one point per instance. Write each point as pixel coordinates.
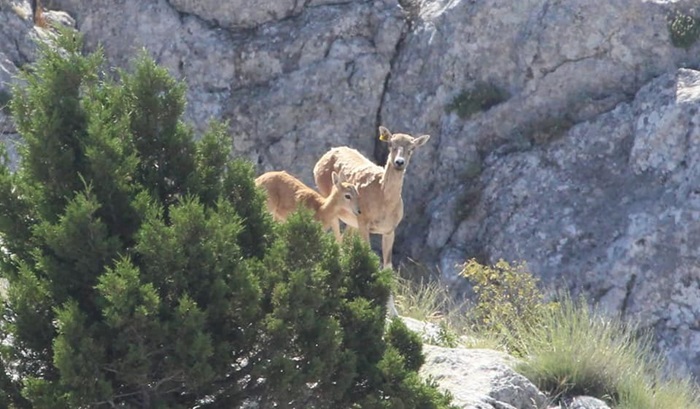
(574, 351)
(419, 295)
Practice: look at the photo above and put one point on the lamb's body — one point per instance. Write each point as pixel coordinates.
(285, 193)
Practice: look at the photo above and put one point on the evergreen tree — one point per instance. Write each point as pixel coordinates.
(144, 271)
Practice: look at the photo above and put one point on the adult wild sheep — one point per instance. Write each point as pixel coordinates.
(379, 188)
(285, 193)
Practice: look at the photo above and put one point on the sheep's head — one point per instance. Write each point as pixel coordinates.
(350, 196)
(401, 147)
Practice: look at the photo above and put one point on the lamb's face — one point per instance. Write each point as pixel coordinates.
(401, 147)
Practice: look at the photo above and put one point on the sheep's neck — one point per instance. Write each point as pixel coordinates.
(329, 204)
(392, 181)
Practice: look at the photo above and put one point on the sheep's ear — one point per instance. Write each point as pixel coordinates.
(335, 178)
(384, 134)
(420, 141)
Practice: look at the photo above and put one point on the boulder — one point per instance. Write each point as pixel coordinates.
(480, 379)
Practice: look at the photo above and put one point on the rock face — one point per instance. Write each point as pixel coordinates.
(586, 168)
(610, 209)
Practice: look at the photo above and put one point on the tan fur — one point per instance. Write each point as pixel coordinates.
(285, 193)
(379, 188)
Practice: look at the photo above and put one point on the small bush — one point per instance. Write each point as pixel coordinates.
(480, 97)
(684, 29)
(407, 343)
(507, 299)
(424, 300)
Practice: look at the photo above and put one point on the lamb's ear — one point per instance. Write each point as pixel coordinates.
(420, 141)
(384, 134)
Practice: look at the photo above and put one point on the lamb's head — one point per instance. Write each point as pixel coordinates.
(349, 197)
(401, 147)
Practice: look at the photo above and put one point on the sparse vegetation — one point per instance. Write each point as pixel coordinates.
(572, 350)
(480, 97)
(684, 29)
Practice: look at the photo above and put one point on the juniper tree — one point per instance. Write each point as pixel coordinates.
(144, 271)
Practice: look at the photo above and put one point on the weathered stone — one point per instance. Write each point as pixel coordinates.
(18, 46)
(480, 379)
(612, 210)
(587, 402)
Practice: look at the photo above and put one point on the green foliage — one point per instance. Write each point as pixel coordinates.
(572, 350)
(480, 97)
(507, 299)
(407, 343)
(684, 29)
(144, 271)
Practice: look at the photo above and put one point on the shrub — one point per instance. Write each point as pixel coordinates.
(507, 298)
(144, 271)
(407, 343)
(684, 29)
(480, 97)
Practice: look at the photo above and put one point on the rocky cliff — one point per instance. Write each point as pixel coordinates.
(585, 165)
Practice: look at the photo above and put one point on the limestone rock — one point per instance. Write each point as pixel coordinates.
(586, 402)
(480, 379)
(291, 88)
(611, 210)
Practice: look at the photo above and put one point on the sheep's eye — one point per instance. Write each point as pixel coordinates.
(347, 196)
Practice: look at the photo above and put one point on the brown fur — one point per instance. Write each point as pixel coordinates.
(285, 193)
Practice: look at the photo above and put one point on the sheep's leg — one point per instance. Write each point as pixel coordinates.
(363, 230)
(387, 247)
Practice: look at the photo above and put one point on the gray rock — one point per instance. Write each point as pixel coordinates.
(587, 402)
(558, 64)
(18, 45)
(291, 88)
(480, 379)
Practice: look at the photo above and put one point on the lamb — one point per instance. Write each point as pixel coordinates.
(285, 193)
(379, 188)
